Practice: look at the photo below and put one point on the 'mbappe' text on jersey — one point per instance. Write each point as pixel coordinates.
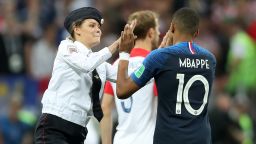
(194, 63)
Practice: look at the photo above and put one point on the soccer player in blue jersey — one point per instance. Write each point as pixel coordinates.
(184, 73)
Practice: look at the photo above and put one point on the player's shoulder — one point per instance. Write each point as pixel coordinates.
(206, 52)
(155, 54)
(169, 49)
(159, 56)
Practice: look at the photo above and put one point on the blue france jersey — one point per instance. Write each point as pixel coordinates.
(184, 75)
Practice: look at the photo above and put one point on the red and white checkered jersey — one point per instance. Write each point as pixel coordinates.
(137, 114)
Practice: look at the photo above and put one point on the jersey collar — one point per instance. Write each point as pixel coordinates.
(139, 52)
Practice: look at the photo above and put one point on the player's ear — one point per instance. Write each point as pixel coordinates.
(151, 32)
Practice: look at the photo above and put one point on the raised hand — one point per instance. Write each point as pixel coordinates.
(167, 40)
(127, 38)
(133, 24)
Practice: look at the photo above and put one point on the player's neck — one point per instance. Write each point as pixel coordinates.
(182, 38)
(143, 44)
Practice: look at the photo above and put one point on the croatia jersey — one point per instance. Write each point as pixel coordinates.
(184, 75)
(136, 114)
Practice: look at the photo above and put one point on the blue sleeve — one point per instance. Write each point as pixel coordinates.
(214, 64)
(147, 70)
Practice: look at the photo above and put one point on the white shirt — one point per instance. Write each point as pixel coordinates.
(137, 114)
(68, 93)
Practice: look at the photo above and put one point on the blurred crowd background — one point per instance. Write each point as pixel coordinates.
(30, 31)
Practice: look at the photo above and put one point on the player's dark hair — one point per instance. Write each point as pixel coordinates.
(145, 20)
(186, 20)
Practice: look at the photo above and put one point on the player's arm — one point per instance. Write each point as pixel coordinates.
(106, 124)
(125, 85)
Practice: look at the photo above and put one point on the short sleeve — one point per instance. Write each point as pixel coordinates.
(146, 71)
(111, 72)
(108, 88)
(155, 89)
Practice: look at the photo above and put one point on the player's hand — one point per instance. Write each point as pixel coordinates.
(167, 40)
(127, 38)
(133, 24)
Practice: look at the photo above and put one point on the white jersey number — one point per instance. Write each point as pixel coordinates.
(127, 104)
(183, 93)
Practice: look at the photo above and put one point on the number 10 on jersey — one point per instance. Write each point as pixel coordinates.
(182, 94)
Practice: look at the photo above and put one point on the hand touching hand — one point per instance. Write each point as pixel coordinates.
(127, 38)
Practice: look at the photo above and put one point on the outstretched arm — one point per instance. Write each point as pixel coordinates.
(125, 85)
(84, 62)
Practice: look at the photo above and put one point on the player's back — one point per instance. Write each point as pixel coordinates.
(184, 79)
(136, 114)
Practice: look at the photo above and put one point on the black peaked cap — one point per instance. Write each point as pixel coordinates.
(82, 13)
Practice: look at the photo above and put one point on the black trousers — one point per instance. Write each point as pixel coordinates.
(51, 129)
